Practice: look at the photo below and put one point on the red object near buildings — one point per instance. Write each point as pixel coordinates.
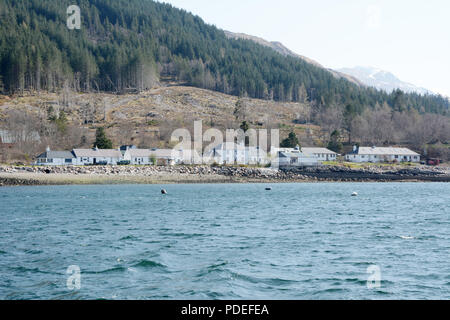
(433, 162)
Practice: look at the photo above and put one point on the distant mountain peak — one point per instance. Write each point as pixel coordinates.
(360, 75)
(381, 79)
(280, 48)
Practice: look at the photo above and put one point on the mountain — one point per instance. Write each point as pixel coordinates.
(280, 48)
(275, 45)
(134, 45)
(382, 80)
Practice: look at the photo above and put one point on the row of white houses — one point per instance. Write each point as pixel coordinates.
(94, 156)
(225, 153)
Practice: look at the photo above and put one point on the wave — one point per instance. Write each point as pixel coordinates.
(148, 264)
(110, 270)
(31, 251)
(32, 270)
(184, 235)
(217, 265)
(129, 237)
(267, 281)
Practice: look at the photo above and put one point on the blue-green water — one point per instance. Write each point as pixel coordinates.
(226, 241)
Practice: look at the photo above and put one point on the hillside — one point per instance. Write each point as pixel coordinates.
(158, 104)
(280, 48)
(145, 119)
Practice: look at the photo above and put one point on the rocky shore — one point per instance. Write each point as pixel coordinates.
(47, 175)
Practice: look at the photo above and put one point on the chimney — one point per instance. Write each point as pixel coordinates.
(47, 149)
(355, 148)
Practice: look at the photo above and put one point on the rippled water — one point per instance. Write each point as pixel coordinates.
(226, 241)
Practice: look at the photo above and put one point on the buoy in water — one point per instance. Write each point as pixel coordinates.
(354, 194)
(268, 188)
(163, 191)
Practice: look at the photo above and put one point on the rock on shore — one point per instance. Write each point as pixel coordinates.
(16, 175)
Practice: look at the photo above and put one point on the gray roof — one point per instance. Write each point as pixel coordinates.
(317, 150)
(229, 146)
(107, 153)
(139, 152)
(284, 154)
(56, 154)
(165, 153)
(386, 151)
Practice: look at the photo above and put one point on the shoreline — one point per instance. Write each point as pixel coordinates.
(83, 175)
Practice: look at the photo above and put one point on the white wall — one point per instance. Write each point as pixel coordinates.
(325, 156)
(302, 160)
(140, 160)
(381, 158)
(90, 160)
(55, 162)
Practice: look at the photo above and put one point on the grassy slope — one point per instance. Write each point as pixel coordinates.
(155, 110)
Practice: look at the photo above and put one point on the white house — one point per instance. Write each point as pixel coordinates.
(97, 156)
(124, 148)
(233, 153)
(189, 156)
(322, 154)
(294, 158)
(225, 153)
(256, 155)
(138, 156)
(167, 156)
(382, 154)
(55, 158)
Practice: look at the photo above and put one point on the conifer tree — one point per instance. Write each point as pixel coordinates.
(291, 141)
(101, 140)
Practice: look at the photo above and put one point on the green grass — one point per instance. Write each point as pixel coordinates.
(152, 123)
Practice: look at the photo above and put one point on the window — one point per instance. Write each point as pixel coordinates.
(68, 160)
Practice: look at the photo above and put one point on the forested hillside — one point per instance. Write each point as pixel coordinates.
(130, 44)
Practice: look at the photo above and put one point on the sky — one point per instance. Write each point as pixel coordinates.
(410, 38)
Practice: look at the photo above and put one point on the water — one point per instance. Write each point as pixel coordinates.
(226, 241)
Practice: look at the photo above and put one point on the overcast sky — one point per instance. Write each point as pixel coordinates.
(410, 38)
